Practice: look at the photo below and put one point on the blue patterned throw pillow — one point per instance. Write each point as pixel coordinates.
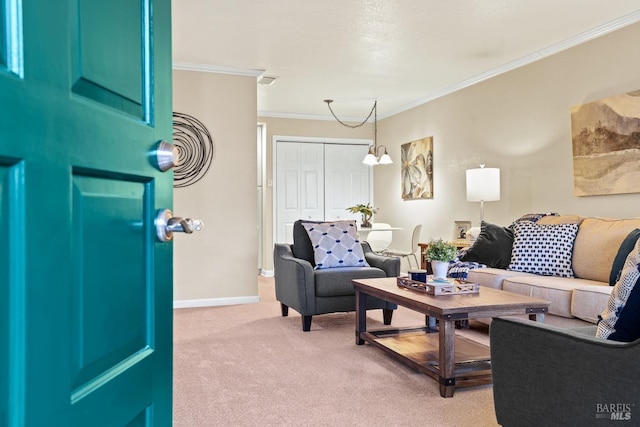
(534, 217)
(543, 249)
(625, 248)
(335, 244)
(620, 320)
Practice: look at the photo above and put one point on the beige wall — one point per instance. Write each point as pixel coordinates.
(219, 264)
(518, 121)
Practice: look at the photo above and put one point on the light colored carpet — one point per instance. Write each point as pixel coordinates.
(248, 366)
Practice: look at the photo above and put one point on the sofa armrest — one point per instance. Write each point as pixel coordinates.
(294, 280)
(390, 265)
(544, 374)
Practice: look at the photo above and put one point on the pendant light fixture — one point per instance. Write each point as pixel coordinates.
(372, 158)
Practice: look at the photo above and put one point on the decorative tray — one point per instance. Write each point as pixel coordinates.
(440, 287)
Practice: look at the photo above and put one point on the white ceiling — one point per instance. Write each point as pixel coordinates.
(401, 52)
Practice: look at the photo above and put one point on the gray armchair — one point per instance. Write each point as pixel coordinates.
(311, 292)
(544, 375)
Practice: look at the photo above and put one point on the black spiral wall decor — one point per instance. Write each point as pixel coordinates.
(195, 148)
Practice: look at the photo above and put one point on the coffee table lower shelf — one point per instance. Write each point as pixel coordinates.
(419, 349)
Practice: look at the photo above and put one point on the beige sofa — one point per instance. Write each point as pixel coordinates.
(583, 296)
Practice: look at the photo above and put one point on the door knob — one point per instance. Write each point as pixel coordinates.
(167, 224)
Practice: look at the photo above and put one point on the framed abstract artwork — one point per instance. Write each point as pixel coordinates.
(605, 136)
(417, 169)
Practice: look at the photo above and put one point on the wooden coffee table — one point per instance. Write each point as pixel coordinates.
(447, 357)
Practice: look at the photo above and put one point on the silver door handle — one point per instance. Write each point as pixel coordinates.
(167, 224)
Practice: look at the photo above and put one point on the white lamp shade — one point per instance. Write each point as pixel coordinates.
(483, 184)
(370, 159)
(385, 159)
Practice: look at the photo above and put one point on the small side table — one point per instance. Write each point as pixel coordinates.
(426, 265)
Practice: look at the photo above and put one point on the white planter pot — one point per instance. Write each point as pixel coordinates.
(439, 269)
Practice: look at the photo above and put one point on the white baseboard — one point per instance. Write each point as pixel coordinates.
(215, 302)
(266, 273)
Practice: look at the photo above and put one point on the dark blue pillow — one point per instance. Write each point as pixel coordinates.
(627, 328)
(620, 320)
(618, 262)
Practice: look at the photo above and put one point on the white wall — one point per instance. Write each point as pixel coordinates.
(219, 264)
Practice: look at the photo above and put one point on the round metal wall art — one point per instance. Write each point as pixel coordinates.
(195, 149)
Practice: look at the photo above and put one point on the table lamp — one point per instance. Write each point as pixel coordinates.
(483, 185)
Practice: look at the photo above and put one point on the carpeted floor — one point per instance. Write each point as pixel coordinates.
(248, 366)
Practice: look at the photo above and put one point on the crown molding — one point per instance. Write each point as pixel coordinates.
(592, 34)
(308, 116)
(218, 69)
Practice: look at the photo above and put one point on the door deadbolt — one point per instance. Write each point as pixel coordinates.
(166, 156)
(167, 224)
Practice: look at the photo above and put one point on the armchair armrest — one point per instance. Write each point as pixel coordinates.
(546, 375)
(390, 265)
(294, 281)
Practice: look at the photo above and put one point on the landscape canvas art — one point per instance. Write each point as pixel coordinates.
(605, 137)
(417, 169)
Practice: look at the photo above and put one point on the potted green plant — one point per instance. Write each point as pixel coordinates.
(440, 253)
(367, 212)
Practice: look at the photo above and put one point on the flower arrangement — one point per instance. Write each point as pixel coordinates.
(367, 212)
(439, 250)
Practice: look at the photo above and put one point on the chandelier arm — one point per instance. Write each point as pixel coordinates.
(346, 124)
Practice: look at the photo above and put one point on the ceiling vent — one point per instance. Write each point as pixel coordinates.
(266, 80)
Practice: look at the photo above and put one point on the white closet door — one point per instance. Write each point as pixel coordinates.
(347, 180)
(299, 186)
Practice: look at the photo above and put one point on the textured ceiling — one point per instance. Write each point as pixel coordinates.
(400, 52)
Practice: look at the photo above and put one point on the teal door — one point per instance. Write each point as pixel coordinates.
(85, 287)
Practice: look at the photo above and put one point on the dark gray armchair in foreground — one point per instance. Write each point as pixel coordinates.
(311, 292)
(548, 376)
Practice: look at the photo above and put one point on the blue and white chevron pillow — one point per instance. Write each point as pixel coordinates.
(335, 244)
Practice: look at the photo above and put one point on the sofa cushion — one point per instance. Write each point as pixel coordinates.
(492, 247)
(335, 244)
(543, 249)
(621, 319)
(493, 277)
(556, 290)
(618, 262)
(597, 244)
(588, 300)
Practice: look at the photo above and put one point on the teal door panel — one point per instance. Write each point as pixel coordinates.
(85, 287)
(120, 81)
(108, 214)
